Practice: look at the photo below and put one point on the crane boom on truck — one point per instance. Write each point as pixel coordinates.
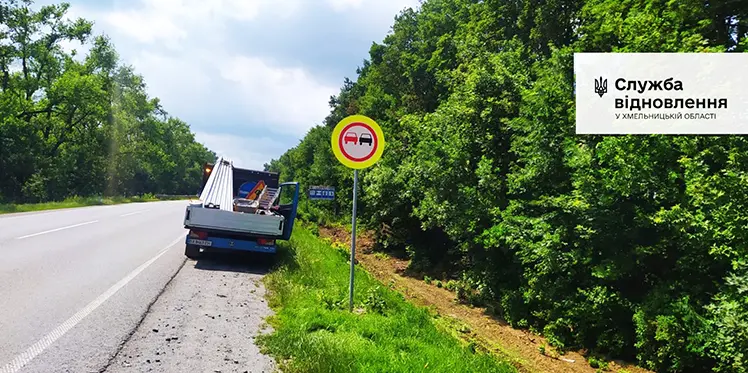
(240, 209)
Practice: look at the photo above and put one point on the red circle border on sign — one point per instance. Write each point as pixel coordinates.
(373, 135)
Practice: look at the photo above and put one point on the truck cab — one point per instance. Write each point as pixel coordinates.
(240, 210)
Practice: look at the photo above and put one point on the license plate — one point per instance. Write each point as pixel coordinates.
(193, 241)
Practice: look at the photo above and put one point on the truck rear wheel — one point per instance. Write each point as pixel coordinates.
(192, 251)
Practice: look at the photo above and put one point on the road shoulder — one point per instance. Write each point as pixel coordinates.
(206, 320)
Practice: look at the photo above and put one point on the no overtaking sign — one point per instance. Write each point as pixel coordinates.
(358, 143)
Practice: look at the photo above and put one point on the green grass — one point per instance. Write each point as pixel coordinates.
(314, 332)
(82, 202)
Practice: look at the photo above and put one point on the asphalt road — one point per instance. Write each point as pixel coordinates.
(75, 283)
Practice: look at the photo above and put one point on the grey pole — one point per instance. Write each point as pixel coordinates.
(353, 241)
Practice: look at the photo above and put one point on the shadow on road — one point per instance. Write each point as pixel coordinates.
(241, 262)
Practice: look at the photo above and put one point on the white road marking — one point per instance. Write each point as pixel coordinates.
(133, 213)
(28, 214)
(17, 215)
(37, 348)
(58, 229)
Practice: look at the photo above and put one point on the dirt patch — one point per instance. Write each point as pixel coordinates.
(520, 347)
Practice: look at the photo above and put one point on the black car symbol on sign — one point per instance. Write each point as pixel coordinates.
(364, 138)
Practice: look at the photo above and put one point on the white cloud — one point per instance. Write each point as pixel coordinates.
(245, 153)
(288, 97)
(183, 84)
(187, 74)
(342, 5)
(187, 52)
(146, 27)
(178, 22)
(263, 97)
(390, 7)
(80, 49)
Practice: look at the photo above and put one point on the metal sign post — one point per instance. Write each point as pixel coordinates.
(358, 143)
(353, 241)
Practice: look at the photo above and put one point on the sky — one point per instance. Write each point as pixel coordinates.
(251, 77)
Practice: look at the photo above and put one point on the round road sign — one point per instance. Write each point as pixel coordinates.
(357, 141)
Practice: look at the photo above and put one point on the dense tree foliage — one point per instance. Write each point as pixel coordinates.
(633, 246)
(81, 126)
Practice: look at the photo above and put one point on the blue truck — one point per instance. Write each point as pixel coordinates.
(240, 210)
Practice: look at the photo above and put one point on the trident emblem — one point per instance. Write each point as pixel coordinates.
(601, 86)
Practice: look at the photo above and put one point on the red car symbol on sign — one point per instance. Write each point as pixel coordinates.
(350, 137)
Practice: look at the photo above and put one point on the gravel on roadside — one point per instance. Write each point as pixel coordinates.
(206, 320)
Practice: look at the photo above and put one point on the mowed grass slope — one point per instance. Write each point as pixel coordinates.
(315, 332)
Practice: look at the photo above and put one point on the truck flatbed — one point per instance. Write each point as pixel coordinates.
(198, 217)
(223, 220)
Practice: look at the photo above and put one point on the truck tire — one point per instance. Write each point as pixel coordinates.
(192, 251)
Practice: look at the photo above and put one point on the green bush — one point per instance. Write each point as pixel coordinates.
(596, 362)
(727, 330)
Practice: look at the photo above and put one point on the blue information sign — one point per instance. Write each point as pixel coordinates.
(322, 192)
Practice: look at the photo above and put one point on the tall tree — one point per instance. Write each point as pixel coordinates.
(72, 127)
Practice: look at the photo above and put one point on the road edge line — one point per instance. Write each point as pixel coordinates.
(129, 335)
(22, 359)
